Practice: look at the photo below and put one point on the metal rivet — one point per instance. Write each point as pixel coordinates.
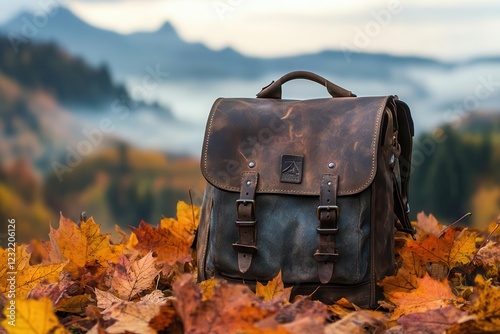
(329, 183)
(331, 165)
(249, 182)
(251, 164)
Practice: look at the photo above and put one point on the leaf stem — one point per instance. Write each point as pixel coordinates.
(460, 219)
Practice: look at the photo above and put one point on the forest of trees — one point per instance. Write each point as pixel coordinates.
(450, 171)
(71, 80)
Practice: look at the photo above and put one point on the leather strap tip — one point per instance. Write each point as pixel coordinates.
(244, 262)
(325, 272)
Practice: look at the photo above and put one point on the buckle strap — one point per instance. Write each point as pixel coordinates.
(246, 221)
(328, 214)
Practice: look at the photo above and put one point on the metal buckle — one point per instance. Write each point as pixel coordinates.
(327, 230)
(241, 248)
(246, 223)
(328, 208)
(246, 202)
(326, 257)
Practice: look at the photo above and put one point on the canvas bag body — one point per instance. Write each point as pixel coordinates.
(282, 173)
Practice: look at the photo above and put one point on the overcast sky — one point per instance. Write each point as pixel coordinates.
(444, 29)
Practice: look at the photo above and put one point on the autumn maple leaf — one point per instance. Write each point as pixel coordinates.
(171, 240)
(27, 276)
(133, 276)
(428, 294)
(83, 244)
(34, 316)
(274, 290)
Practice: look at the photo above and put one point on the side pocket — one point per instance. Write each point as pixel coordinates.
(203, 233)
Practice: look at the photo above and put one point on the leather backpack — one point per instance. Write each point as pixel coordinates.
(312, 188)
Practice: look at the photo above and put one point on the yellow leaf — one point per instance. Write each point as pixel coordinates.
(85, 243)
(187, 221)
(274, 290)
(132, 241)
(34, 317)
(463, 249)
(98, 246)
(486, 299)
(207, 288)
(429, 294)
(132, 277)
(26, 277)
(73, 304)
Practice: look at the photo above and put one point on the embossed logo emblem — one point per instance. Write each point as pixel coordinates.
(291, 168)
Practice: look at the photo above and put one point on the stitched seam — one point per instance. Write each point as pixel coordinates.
(207, 139)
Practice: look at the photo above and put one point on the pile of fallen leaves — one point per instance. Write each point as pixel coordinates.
(80, 281)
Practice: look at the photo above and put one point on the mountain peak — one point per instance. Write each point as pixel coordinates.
(167, 27)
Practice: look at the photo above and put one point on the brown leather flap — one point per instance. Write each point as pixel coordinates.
(291, 144)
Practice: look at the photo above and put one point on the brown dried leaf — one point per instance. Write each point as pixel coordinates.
(432, 322)
(165, 317)
(155, 297)
(304, 316)
(131, 317)
(232, 308)
(489, 257)
(132, 277)
(105, 299)
(73, 304)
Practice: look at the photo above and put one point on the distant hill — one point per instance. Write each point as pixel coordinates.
(132, 53)
(45, 66)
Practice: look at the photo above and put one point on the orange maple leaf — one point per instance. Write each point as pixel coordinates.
(274, 290)
(84, 243)
(429, 294)
(446, 249)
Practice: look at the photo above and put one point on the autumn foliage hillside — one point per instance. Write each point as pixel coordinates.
(81, 282)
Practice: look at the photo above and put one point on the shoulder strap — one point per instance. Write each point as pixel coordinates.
(405, 139)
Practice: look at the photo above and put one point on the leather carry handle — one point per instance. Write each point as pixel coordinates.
(273, 90)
